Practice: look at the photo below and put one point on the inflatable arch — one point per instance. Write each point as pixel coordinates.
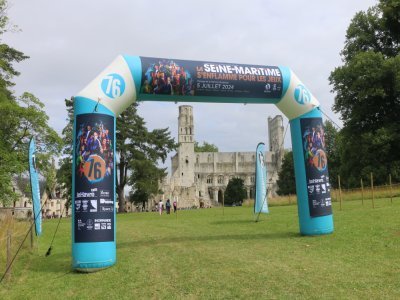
(131, 78)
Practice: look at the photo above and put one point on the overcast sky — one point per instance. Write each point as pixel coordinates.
(70, 42)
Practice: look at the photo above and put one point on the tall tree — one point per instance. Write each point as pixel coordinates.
(145, 180)
(332, 148)
(235, 191)
(368, 95)
(64, 173)
(286, 182)
(138, 153)
(21, 118)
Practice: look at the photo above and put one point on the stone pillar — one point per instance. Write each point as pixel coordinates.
(236, 162)
(186, 146)
(215, 191)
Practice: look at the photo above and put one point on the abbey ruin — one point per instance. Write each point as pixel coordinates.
(200, 178)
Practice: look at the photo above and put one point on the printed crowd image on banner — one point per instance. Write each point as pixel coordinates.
(94, 178)
(316, 163)
(192, 78)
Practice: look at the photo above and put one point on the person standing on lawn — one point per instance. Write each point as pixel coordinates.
(168, 206)
(160, 207)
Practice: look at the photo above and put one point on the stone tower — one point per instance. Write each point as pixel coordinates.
(275, 133)
(276, 147)
(186, 146)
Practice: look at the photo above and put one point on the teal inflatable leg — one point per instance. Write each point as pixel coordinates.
(312, 177)
(93, 187)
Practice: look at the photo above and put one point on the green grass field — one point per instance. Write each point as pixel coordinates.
(203, 254)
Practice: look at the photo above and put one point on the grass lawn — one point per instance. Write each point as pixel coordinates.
(203, 254)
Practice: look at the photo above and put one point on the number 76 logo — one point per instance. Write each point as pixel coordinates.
(113, 85)
(94, 168)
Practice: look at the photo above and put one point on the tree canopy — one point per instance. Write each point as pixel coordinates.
(206, 147)
(286, 182)
(64, 173)
(21, 118)
(138, 153)
(368, 95)
(332, 148)
(235, 191)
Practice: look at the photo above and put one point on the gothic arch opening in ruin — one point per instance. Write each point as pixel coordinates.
(220, 196)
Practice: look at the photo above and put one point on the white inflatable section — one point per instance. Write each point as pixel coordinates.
(117, 104)
(306, 101)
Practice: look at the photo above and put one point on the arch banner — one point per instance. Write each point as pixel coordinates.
(133, 78)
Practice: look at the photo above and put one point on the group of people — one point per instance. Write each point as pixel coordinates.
(167, 206)
(93, 140)
(314, 140)
(167, 78)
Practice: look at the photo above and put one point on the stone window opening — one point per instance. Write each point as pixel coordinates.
(220, 196)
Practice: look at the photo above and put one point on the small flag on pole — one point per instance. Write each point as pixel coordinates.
(34, 178)
(260, 202)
